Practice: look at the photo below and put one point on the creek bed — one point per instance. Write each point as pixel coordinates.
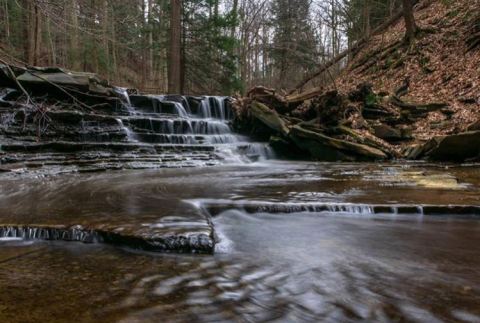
(274, 257)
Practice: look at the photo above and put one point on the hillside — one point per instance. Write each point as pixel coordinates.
(443, 65)
(400, 99)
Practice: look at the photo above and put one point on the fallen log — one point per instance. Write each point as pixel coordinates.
(370, 140)
(270, 118)
(269, 97)
(307, 95)
(355, 48)
(345, 147)
(418, 109)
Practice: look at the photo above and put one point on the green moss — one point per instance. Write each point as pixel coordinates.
(371, 100)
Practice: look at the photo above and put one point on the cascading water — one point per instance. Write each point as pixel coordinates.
(131, 137)
(174, 120)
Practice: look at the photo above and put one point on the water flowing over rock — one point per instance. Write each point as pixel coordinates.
(54, 121)
(118, 131)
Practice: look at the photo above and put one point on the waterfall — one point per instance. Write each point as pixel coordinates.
(131, 137)
(199, 121)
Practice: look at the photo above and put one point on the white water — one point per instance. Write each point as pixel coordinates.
(171, 120)
(132, 137)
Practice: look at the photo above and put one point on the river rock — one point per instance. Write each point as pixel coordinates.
(459, 147)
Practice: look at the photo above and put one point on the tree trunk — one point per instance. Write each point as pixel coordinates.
(366, 16)
(174, 71)
(411, 26)
(29, 32)
(234, 15)
(51, 41)
(106, 47)
(37, 36)
(150, 72)
(7, 23)
(73, 46)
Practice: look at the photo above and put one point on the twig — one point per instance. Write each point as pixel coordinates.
(29, 99)
(63, 90)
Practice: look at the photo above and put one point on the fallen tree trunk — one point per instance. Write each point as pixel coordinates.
(345, 147)
(356, 47)
(269, 97)
(269, 117)
(307, 95)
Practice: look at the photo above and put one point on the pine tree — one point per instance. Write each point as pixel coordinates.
(294, 47)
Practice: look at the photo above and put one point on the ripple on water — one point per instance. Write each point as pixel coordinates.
(332, 266)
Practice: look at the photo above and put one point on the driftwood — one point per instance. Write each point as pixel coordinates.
(418, 109)
(342, 145)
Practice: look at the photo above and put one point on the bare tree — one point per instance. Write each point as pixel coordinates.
(411, 26)
(174, 66)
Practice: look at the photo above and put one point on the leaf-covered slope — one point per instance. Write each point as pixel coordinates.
(443, 65)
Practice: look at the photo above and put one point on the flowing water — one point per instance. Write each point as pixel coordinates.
(275, 260)
(292, 241)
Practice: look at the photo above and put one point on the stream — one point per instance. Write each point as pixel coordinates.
(246, 238)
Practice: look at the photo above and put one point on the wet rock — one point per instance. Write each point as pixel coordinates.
(36, 76)
(149, 241)
(286, 148)
(458, 148)
(467, 211)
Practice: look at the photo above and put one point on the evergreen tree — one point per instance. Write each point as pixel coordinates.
(294, 48)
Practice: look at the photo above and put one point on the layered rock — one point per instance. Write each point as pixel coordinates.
(54, 121)
(52, 117)
(454, 148)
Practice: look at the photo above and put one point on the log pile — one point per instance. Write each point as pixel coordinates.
(362, 125)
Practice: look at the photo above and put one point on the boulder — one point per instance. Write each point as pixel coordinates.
(286, 148)
(458, 148)
(387, 133)
(83, 81)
